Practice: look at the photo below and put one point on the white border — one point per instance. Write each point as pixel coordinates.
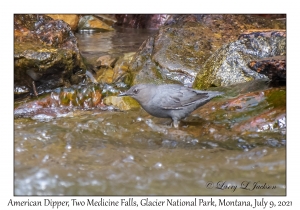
(8, 8)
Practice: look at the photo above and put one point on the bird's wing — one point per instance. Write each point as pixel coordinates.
(179, 98)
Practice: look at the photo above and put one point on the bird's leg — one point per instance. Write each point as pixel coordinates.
(175, 122)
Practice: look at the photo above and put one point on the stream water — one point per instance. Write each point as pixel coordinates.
(96, 152)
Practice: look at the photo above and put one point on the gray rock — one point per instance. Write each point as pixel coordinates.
(169, 100)
(229, 64)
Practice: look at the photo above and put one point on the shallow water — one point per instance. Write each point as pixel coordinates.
(96, 152)
(122, 40)
(130, 153)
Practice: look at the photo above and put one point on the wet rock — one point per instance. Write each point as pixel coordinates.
(21, 92)
(92, 23)
(105, 75)
(262, 33)
(108, 19)
(106, 61)
(177, 53)
(273, 67)
(121, 68)
(61, 101)
(72, 20)
(122, 103)
(109, 69)
(263, 110)
(272, 16)
(229, 64)
(270, 98)
(45, 51)
(270, 121)
(141, 21)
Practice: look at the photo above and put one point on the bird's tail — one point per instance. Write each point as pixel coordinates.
(212, 94)
(215, 93)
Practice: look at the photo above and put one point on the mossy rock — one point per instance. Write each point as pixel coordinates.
(181, 47)
(122, 103)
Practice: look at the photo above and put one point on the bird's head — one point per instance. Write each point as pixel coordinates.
(140, 92)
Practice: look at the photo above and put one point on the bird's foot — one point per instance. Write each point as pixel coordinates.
(175, 123)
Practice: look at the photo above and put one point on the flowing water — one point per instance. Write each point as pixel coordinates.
(113, 42)
(109, 152)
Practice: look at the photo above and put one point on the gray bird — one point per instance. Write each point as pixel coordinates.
(170, 100)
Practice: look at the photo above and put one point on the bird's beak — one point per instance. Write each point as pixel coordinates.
(123, 94)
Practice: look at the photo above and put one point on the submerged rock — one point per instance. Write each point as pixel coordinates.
(64, 100)
(257, 111)
(269, 121)
(61, 100)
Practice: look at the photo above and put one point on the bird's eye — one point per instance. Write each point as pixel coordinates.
(135, 91)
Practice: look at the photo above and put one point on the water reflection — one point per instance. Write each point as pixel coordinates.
(112, 42)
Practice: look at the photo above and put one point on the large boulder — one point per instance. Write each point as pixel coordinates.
(46, 55)
(230, 64)
(181, 47)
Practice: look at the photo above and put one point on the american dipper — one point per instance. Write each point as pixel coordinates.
(170, 100)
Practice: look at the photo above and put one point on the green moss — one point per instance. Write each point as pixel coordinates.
(277, 98)
(130, 102)
(123, 103)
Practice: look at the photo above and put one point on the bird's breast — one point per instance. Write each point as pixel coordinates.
(157, 111)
